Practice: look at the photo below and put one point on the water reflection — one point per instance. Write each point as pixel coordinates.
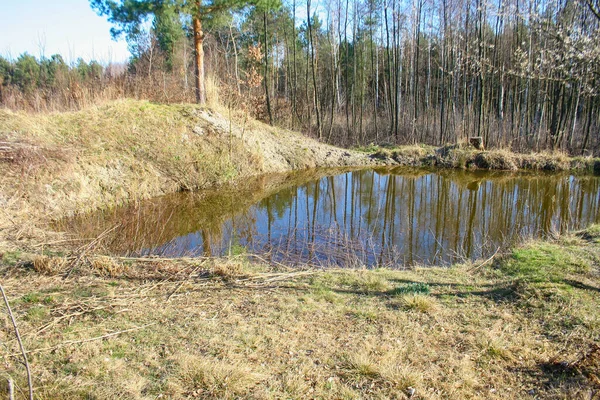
(388, 217)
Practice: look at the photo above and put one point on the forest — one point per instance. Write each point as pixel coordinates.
(522, 74)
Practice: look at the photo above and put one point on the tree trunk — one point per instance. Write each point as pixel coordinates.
(199, 57)
(235, 54)
(266, 80)
(311, 44)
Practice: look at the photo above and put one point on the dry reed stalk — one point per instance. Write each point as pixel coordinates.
(83, 250)
(155, 259)
(477, 267)
(270, 278)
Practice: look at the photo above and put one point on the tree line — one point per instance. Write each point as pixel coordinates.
(523, 74)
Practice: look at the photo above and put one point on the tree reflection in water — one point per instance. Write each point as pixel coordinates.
(387, 217)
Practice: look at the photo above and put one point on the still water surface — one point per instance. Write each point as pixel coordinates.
(386, 217)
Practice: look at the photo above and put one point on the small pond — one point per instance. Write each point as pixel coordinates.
(384, 217)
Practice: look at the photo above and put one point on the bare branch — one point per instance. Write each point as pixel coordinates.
(23, 352)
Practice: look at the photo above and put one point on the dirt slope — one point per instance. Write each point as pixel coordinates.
(282, 150)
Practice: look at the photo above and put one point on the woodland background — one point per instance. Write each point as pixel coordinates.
(524, 74)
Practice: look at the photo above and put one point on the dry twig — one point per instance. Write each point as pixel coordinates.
(23, 352)
(182, 282)
(83, 250)
(477, 267)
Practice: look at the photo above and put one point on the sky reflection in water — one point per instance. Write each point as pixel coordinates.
(393, 218)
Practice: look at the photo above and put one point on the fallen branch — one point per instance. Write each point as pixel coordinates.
(11, 389)
(271, 262)
(75, 314)
(274, 277)
(477, 267)
(58, 242)
(23, 352)
(155, 259)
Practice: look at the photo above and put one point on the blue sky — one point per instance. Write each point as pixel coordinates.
(67, 27)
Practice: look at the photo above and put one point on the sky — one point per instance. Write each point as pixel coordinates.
(66, 27)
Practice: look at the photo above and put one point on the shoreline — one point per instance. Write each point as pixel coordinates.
(60, 164)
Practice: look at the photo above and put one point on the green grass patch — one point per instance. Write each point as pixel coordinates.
(321, 292)
(10, 258)
(411, 288)
(545, 262)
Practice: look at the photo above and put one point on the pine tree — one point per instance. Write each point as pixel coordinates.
(129, 16)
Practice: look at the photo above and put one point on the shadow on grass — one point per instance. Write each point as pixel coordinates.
(509, 291)
(503, 292)
(581, 375)
(581, 285)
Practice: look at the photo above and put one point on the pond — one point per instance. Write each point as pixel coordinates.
(376, 217)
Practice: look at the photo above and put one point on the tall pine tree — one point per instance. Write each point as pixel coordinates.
(128, 17)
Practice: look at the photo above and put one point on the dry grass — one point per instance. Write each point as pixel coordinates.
(207, 377)
(466, 157)
(525, 327)
(418, 302)
(228, 270)
(119, 152)
(47, 265)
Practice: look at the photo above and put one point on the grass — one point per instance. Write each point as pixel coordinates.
(525, 326)
(412, 288)
(116, 153)
(418, 302)
(464, 156)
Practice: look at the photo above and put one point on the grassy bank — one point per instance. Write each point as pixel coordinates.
(464, 156)
(523, 325)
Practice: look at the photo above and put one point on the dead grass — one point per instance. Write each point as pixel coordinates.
(466, 157)
(418, 302)
(207, 377)
(524, 327)
(47, 265)
(229, 269)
